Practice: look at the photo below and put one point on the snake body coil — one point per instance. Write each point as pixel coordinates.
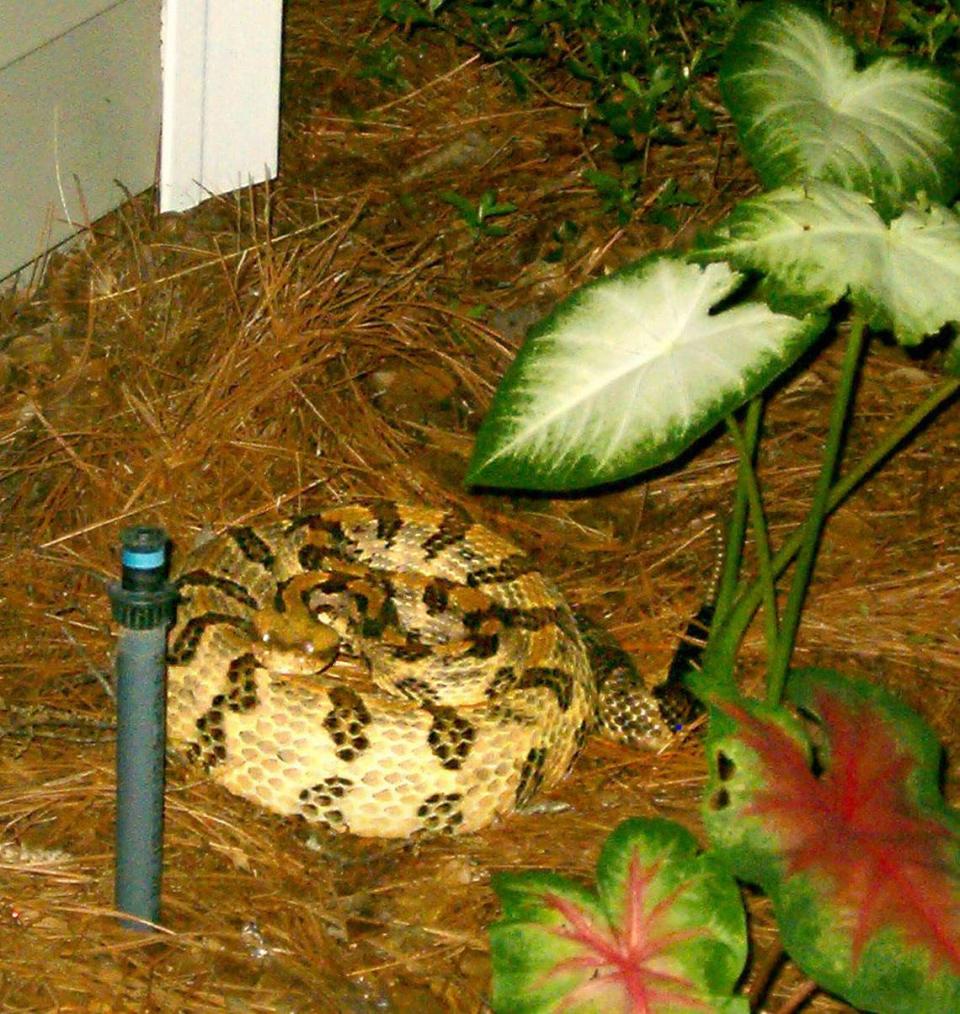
(385, 670)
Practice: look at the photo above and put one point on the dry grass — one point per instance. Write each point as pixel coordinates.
(339, 335)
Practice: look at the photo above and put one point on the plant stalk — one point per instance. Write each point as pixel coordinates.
(737, 524)
(722, 650)
(761, 538)
(813, 526)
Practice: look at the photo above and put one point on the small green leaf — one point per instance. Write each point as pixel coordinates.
(489, 208)
(604, 182)
(465, 207)
(666, 933)
(627, 372)
(631, 83)
(580, 70)
(805, 111)
(818, 243)
(526, 47)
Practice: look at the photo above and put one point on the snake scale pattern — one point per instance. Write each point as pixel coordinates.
(387, 670)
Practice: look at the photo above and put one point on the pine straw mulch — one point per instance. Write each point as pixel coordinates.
(338, 335)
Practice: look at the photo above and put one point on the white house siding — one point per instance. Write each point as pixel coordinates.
(79, 113)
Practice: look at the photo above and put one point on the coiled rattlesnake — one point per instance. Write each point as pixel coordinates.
(385, 670)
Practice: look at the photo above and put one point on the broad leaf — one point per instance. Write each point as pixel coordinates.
(816, 243)
(805, 111)
(666, 932)
(860, 856)
(627, 372)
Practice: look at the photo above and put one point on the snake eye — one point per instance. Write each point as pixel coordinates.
(265, 637)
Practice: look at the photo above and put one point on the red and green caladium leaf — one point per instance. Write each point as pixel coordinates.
(665, 932)
(851, 840)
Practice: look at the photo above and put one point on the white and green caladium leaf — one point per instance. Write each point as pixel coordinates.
(804, 110)
(627, 372)
(817, 243)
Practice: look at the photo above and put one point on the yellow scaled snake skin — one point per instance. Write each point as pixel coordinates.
(385, 670)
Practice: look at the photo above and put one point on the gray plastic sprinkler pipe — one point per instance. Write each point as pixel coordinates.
(143, 603)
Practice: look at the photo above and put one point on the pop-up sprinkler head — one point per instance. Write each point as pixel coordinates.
(143, 599)
(143, 603)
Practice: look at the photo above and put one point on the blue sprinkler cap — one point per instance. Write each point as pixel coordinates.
(143, 599)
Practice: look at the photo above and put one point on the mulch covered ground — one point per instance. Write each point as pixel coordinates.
(338, 334)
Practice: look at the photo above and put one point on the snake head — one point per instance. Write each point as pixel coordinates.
(293, 642)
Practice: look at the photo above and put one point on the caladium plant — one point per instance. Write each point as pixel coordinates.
(665, 932)
(861, 857)
(804, 109)
(630, 370)
(847, 833)
(815, 244)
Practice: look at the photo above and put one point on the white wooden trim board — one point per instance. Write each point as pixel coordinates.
(221, 97)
